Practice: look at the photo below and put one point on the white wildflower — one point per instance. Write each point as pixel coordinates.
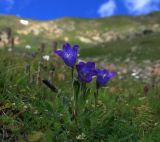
(28, 47)
(46, 57)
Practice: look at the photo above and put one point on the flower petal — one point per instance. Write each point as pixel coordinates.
(59, 53)
(91, 65)
(112, 74)
(80, 66)
(75, 50)
(88, 78)
(75, 47)
(86, 71)
(66, 47)
(103, 76)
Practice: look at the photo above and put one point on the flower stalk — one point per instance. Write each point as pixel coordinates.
(38, 81)
(96, 96)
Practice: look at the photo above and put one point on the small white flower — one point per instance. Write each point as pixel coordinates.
(46, 57)
(134, 74)
(10, 50)
(137, 77)
(28, 47)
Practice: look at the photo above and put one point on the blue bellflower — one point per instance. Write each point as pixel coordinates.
(86, 71)
(103, 76)
(68, 54)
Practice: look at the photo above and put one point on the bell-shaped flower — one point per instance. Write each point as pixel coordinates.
(103, 76)
(86, 71)
(68, 54)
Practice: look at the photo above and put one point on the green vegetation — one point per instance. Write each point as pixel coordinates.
(128, 109)
(32, 112)
(138, 49)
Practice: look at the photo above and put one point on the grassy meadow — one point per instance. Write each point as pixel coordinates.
(128, 108)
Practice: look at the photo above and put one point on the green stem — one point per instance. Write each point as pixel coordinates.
(96, 96)
(73, 91)
(72, 74)
(83, 87)
(74, 96)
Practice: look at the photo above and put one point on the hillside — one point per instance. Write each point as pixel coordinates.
(116, 37)
(87, 31)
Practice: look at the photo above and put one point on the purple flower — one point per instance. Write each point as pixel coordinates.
(68, 54)
(86, 71)
(103, 76)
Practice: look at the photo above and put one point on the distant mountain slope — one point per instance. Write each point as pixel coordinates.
(84, 30)
(115, 31)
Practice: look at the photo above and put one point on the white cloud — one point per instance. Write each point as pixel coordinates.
(138, 7)
(107, 9)
(7, 4)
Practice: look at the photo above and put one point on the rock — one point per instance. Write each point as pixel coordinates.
(156, 26)
(147, 31)
(84, 39)
(24, 22)
(110, 36)
(97, 38)
(156, 70)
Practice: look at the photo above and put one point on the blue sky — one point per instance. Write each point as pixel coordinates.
(51, 9)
